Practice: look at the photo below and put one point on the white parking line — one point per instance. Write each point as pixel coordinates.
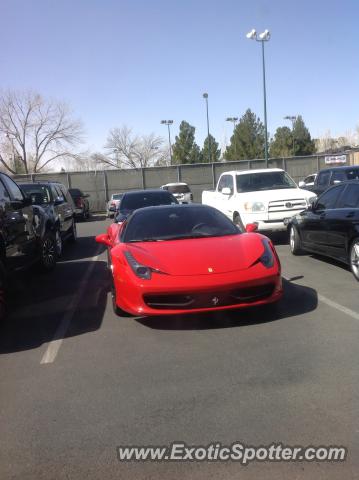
(337, 306)
(55, 344)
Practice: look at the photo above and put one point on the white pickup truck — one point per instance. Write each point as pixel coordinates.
(266, 197)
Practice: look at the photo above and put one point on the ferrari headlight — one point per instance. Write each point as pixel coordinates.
(267, 258)
(254, 207)
(140, 270)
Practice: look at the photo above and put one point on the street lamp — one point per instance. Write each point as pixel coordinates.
(168, 123)
(205, 96)
(262, 37)
(234, 121)
(292, 118)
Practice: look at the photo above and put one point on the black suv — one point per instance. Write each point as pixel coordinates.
(331, 176)
(57, 202)
(136, 199)
(25, 235)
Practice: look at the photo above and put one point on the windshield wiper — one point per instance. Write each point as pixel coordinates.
(145, 240)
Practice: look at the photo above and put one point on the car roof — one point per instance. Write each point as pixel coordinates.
(177, 205)
(149, 190)
(49, 182)
(174, 184)
(344, 167)
(258, 170)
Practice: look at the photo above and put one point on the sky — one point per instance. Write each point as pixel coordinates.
(137, 62)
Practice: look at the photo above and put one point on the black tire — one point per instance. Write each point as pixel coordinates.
(117, 310)
(3, 296)
(295, 242)
(48, 255)
(73, 234)
(59, 243)
(354, 258)
(238, 221)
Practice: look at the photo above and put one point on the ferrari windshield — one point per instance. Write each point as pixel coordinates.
(252, 182)
(176, 223)
(133, 201)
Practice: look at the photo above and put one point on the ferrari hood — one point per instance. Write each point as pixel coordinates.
(199, 256)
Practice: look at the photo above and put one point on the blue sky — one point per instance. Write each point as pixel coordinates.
(136, 62)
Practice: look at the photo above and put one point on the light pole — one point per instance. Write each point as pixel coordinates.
(234, 121)
(116, 151)
(168, 123)
(292, 118)
(205, 96)
(262, 37)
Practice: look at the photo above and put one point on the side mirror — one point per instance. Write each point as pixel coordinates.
(226, 191)
(301, 184)
(251, 227)
(59, 200)
(104, 239)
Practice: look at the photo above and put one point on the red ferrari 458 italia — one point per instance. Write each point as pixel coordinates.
(188, 258)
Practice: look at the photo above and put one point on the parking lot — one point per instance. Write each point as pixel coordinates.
(77, 381)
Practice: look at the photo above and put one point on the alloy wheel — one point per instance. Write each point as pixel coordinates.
(354, 258)
(48, 253)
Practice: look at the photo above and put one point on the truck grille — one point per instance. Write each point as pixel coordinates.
(287, 205)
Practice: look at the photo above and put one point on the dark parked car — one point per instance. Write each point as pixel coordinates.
(82, 205)
(26, 236)
(330, 226)
(332, 176)
(55, 199)
(136, 199)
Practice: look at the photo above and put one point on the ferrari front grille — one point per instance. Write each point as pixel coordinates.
(209, 299)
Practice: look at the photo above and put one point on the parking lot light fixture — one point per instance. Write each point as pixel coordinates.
(234, 121)
(262, 37)
(168, 123)
(293, 119)
(205, 96)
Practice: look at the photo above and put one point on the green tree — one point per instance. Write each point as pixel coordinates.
(303, 143)
(185, 149)
(247, 141)
(215, 151)
(282, 144)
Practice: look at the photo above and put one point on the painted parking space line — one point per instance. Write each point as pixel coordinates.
(54, 345)
(337, 306)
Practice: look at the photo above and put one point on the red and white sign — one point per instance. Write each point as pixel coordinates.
(335, 159)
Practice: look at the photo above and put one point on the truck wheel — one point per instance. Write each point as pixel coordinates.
(237, 221)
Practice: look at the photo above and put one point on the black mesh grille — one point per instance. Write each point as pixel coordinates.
(209, 299)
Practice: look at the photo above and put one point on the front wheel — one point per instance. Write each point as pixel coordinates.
(117, 310)
(73, 234)
(294, 241)
(48, 256)
(354, 258)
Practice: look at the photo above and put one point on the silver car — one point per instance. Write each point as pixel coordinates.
(180, 191)
(112, 204)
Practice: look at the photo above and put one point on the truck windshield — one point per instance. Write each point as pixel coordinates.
(253, 182)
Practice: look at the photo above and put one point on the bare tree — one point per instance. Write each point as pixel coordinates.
(35, 131)
(126, 150)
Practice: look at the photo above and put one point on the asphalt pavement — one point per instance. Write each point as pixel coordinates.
(76, 381)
